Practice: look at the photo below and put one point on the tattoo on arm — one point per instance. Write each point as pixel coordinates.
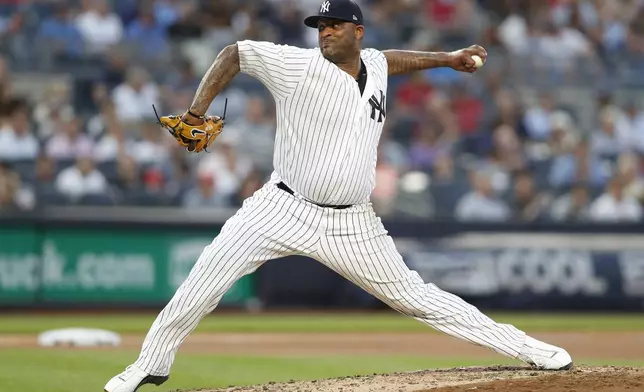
(406, 61)
(220, 73)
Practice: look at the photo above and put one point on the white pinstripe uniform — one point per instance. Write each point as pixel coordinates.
(325, 151)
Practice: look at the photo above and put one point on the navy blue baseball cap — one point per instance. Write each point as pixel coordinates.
(345, 10)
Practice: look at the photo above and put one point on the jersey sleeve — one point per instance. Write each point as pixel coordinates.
(376, 58)
(278, 67)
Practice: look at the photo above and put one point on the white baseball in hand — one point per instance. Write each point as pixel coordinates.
(478, 62)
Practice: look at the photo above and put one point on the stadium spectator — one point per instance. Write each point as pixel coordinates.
(557, 49)
(250, 185)
(635, 37)
(482, 202)
(514, 31)
(502, 108)
(45, 173)
(528, 203)
(54, 106)
(611, 29)
(438, 111)
(17, 141)
(128, 184)
(631, 121)
(13, 195)
(564, 134)
(571, 206)
(152, 146)
(5, 82)
(584, 128)
(444, 170)
(426, 146)
(133, 99)
(580, 164)
(467, 108)
(99, 26)
(413, 93)
(81, 179)
(68, 141)
(206, 194)
(227, 166)
(113, 143)
(629, 170)
(537, 119)
(182, 28)
(504, 158)
(386, 32)
(609, 140)
(60, 35)
(255, 133)
(149, 36)
(166, 12)
(614, 205)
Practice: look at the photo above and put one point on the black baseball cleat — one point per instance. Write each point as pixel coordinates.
(132, 379)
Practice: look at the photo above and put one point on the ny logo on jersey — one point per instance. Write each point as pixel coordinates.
(378, 105)
(325, 7)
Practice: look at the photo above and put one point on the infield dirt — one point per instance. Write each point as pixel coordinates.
(474, 379)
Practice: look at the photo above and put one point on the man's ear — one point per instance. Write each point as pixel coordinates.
(359, 32)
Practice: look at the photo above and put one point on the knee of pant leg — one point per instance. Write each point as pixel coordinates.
(425, 300)
(410, 311)
(410, 296)
(410, 303)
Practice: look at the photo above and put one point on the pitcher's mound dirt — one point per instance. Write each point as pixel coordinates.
(472, 379)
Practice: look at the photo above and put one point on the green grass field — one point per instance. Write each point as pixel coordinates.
(51, 370)
(378, 322)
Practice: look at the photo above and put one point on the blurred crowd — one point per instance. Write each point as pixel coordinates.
(550, 129)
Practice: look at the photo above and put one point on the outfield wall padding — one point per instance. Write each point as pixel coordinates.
(115, 257)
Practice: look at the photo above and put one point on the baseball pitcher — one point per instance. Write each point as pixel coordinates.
(331, 108)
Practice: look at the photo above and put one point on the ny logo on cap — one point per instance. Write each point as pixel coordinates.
(325, 6)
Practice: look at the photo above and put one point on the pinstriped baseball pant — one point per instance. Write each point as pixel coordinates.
(353, 242)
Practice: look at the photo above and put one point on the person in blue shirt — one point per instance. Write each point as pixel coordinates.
(61, 29)
(148, 34)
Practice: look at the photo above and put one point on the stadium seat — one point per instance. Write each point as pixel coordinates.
(109, 170)
(141, 198)
(62, 164)
(48, 195)
(99, 199)
(26, 169)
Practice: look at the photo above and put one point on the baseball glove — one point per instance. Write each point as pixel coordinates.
(195, 138)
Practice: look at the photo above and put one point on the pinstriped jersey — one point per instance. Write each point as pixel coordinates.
(327, 131)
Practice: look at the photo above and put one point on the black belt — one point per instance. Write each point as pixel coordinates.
(285, 188)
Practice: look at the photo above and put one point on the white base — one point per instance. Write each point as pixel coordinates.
(79, 337)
